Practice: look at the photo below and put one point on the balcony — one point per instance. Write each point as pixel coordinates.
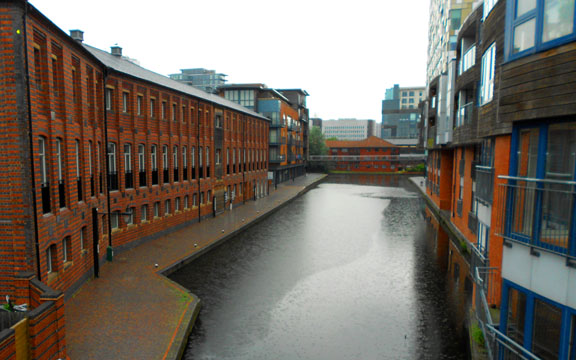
(538, 212)
(276, 124)
(277, 159)
(464, 115)
(484, 184)
(468, 60)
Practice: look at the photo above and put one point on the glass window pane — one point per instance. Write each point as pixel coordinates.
(558, 19)
(524, 36)
(546, 334)
(516, 316)
(556, 197)
(523, 6)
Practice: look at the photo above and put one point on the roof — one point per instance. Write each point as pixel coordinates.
(124, 66)
(371, 142)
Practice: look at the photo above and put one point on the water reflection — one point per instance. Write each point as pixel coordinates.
(343, 272)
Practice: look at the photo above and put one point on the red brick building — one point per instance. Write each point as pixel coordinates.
(99, 154)
(364, 155)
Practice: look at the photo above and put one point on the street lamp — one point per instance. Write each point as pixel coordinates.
(127, 217)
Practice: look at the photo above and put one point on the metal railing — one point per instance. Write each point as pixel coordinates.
(464, 115)
(507, 348)
(484, 279)
(468, 60)
(277, 158)
(394, 158)
(538, 212)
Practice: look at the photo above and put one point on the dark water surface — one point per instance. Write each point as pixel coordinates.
(344, 272)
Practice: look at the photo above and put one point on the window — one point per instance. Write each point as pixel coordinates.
(152, 107)
(128, 158)
(157, 209)
(488, 5)
(184, 163)
(82, 237)
(202, 198)
(51, 256)
(186, 204)
(125, 102)
(167, 207)
(154, 164)
(59, 159)
(66, 249)
(143, 213)
(128, 176)
(78, 170)
(163, 111)
(177, 204)
(142, 163)
(109, 99)
(175, 161)
(165, 157)
(139, 100)
(42, 156)
(194, 200)
(130, 216)
(487, 75)
(114, 219)
(537, 25)
(217, 156)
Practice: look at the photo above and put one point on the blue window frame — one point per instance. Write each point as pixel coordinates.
(487, 75)
(532, 334)
(537, 25)
(541, 197)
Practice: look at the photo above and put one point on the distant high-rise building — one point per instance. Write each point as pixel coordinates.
(400, 114)
(205, 80)
(349, 129)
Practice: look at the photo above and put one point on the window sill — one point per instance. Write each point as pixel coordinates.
(67, 264)
(83, 252)
(116, 230)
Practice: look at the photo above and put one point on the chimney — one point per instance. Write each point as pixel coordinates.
(77, 35)
(116, 50)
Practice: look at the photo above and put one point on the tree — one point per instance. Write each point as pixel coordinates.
(317, 144)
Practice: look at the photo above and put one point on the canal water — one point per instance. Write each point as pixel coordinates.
(346, 271)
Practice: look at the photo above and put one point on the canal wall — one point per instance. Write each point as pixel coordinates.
(188, 320)
(454, 257)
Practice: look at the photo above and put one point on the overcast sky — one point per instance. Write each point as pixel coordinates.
(344, 53)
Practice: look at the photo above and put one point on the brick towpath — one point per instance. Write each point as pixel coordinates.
(133, 311)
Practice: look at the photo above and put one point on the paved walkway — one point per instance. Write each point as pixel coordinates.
(133, 311)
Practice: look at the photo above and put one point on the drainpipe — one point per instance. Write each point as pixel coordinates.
(109, 249)
(31, 143)
(243, 156)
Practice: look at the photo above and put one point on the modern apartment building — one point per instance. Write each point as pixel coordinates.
(98, 155)
(349, 129)
(203, 79)
(288, 135)
(400, 112)
(505, 177)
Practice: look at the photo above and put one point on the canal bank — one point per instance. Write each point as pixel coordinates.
(133, 311)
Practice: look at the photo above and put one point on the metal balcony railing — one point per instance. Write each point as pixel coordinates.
(464, 115)
(62, 193)
(155, 177)
(538, 212)
(128, 180)
(142, 178)
(277, 158)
